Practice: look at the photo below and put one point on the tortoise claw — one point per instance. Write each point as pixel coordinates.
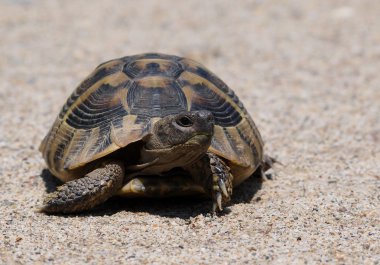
(221, 182)
(217, 204)
(222, 187)
(219, 201)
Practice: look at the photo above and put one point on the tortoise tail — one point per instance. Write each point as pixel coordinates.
(268, 163)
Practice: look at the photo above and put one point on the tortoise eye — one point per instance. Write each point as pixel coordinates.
(184, 121)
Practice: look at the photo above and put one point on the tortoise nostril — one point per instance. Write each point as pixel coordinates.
(205, 114)
(210, 118)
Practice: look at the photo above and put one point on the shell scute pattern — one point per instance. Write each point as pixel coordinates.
(115, 105)
(145, 67)
(97, 109)
(102, 71)
(224, 113)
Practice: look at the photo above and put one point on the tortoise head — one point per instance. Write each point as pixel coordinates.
(177, 140)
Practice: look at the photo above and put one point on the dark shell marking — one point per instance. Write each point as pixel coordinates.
(114, 106)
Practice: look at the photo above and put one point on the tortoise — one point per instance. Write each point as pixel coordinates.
(150, 125)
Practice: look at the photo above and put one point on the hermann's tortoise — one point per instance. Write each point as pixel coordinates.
(150, 125)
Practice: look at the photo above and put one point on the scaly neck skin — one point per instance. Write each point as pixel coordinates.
(176, 156)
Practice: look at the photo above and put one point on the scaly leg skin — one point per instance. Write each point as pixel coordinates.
(221, 182)
(214, 175)
(85, 193)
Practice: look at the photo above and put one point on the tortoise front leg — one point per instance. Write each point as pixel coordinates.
(221, 182)
(85, 193)
(215, 177)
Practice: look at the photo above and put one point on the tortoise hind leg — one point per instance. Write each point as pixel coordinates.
(85, 193)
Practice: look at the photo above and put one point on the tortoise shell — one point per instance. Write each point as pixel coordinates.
(121, 99)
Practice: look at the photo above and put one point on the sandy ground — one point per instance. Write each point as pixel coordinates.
(308, 71)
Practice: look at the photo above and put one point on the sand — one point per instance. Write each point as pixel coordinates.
(307, 71)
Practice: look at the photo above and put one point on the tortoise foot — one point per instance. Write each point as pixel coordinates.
(221, 182)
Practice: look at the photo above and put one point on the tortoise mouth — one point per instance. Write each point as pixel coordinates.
(158, 161)
(182, 154)
(199, 139)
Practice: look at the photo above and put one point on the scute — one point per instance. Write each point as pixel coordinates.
(224, 113)
(156, 97)
(147, 67)
(116, 105)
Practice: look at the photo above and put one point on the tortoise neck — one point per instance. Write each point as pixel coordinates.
(176, 156)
